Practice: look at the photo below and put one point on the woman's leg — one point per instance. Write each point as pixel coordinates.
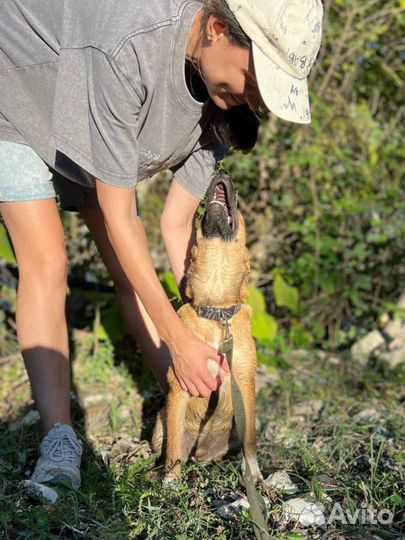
(136, 317)
(37, 235)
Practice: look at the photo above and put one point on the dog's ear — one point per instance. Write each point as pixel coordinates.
(241, 229)
(244, 294)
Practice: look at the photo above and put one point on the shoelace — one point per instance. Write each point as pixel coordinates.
(66, 447)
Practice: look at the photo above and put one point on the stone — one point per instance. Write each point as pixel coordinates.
(396, 343)
(367, 416)
(321, 355)
(393, 358)
(236, 507)
(227, 511)
(382, 434)
(129, 450)
(31, 418)
(311, 408)
(366, 346)
(334, 360)
(303, 511)
(35, 489)
(395, 329)
(280, 435)
(281, 482)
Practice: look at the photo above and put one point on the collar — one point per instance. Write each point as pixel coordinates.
(217, 314)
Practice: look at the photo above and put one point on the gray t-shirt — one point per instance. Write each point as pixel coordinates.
(97, 89)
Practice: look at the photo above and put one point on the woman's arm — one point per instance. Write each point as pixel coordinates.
(127, 236)
(178, 229)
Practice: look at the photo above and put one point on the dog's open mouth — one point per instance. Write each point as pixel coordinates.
(221, 199)
(220, 209)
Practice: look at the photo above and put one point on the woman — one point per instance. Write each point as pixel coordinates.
(105, 95)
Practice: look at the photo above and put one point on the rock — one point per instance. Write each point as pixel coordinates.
(281, 435)
(236, 507)
(281, 482)
(334, 360)
(227, 511)
(33, 488)
(31, 418)
(308, 408)
(321, 355)
(128, 450)
(303, 511)
(366, 346)
(367, 416)
(382, 434)
(393, 358)
(395, 329)
(396, 343)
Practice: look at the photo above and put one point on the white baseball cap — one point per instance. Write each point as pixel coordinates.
(286, 36)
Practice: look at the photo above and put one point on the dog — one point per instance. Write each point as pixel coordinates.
(204, 428)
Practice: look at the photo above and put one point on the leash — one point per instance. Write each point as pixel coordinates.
(258, 509)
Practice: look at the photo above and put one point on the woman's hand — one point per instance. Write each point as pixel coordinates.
(190, 357)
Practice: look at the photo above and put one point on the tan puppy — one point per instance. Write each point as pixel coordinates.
(217, 278)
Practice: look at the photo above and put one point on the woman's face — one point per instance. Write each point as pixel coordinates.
(228, 69)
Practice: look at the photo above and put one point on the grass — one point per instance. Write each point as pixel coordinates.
(333, 454)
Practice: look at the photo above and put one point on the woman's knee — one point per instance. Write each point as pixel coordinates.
(47, 270)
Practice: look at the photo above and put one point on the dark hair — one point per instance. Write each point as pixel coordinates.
(238, 126)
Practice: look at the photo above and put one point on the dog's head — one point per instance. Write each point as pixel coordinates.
(220, 260)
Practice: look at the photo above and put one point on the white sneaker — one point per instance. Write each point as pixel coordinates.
(60, 456)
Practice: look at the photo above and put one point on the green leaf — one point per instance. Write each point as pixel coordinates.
(256, 299)
(169, 284)
(264, 326)
(285, 295)
(6, 250)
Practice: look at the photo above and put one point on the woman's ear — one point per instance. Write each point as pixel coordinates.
(216, 29)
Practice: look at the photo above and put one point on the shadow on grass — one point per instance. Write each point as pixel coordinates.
(93, 512)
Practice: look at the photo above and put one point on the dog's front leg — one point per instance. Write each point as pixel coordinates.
(176, 416)
(246, 404)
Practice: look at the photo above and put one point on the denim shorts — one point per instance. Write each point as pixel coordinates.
(24, 176)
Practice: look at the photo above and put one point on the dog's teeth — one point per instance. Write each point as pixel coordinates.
(221, 203)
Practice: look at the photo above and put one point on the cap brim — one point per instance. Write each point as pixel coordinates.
(284, 95)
